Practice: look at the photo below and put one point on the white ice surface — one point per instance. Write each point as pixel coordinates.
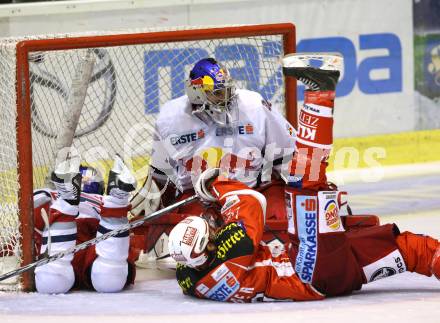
(403, 298)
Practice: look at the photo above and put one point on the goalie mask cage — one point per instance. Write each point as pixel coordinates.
(133, 74)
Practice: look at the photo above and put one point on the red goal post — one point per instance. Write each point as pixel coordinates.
(42, 77)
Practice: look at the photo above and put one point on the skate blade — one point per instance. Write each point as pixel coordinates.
(329, 61)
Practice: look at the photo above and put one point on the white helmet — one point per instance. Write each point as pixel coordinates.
(188, 240)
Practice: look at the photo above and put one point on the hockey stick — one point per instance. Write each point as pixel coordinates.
(75, 103)
(86, 244)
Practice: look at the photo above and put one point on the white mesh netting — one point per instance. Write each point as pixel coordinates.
(127, 87)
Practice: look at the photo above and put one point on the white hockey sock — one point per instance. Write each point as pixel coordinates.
(117, 200)
(57, 277)
(109, 276)
(110, 269)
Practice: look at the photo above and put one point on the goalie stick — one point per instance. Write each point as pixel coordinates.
(94, 241)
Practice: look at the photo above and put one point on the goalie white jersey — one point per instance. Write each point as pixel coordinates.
(257, 138)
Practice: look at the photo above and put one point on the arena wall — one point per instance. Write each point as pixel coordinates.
(375, 95)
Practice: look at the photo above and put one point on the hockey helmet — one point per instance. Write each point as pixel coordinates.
(188, 240)
(92, 180)
(211, 89)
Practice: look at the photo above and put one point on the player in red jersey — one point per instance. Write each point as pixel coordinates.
(230, 262)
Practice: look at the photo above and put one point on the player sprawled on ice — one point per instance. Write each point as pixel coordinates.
(319, 258)
(230, 263)
(77, 211)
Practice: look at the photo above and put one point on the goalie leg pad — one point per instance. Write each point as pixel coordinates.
(109, 276)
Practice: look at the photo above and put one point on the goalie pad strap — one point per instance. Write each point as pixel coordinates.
(113, 212)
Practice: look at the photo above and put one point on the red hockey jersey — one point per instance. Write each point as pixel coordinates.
(243, 269)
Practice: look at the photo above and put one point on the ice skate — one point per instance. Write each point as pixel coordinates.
(324, 78)
(120, 180)
(67, 179)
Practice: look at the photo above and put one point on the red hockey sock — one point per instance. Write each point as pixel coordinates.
(417, 251)
(315, 128)
(314, 138)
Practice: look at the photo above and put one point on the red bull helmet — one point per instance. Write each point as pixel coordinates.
(211, 90)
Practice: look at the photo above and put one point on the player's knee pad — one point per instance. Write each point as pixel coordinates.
(109, 276)
(54, 278)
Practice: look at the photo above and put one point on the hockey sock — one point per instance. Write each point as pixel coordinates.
(110, 269)
(58, 277)
(417, 251)
(314, 138)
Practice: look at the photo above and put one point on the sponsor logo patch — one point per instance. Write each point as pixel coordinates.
(226, 244)
(389, 265)
(331, 215)
(307, 221)
(329, 219)
(246, 129)
(382, 273)
(202, 289)
(219, 272)
(307, 107)
(189, 235)
(224, 289)
(187, 138)
(307, 126)
(230, 202)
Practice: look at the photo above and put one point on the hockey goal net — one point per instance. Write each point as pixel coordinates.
(133, 73)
